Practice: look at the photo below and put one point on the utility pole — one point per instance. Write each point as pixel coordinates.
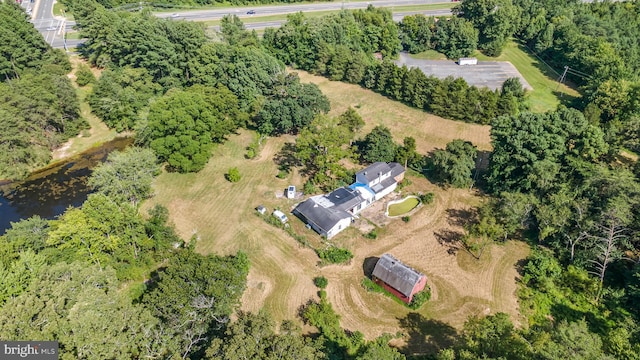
(562, 77)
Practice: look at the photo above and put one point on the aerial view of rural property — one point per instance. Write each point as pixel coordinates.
(320, 180)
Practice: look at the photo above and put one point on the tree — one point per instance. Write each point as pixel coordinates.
(572, 340)
(120, 95)
(494, 336)
(290, 106)
(320, 148)
(235, 34)
(415, 32)
(351, 120)
(233, 175)
(84, 76)
(496, 21)
(81, 307)
(194, 296)
(126, 176)
(183, 125)
(378, 145)
(252, 336)
(455, 37)
(407, 154)
(455, 164)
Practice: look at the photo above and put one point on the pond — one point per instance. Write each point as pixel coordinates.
(50, 191)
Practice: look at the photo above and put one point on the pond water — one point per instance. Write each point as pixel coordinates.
(49, 192)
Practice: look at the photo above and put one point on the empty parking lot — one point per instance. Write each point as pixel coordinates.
(489, 74)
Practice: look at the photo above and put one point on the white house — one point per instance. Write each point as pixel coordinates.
(331, 213)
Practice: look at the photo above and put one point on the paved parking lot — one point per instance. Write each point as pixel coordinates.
(486, 73)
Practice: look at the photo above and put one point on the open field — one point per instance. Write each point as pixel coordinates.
(430, 131)
(221, 216)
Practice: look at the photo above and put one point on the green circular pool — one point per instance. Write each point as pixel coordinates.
(403, 206)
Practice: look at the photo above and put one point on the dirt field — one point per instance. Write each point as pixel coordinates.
(222, 216)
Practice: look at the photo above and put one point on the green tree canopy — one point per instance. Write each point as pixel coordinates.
(455, 164)
(183, 125)
(378, 145)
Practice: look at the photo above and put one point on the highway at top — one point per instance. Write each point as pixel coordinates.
(53, 28)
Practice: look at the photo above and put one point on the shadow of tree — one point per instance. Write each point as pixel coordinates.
(426, 336)
(368, 265)
(597, 324)
(461, 217)
(286, 157)
(450, 239)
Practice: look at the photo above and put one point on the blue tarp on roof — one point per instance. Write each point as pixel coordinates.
(357, 185)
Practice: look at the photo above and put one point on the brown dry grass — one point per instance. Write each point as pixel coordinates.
(221, 214)
(430, 131)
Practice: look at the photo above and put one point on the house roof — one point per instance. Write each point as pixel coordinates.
(324, 218)
(345, 198)
(396, 274)
(374, 170)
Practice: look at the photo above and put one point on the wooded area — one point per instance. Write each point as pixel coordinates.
(108, 281)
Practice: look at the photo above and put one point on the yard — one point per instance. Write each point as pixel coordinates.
(221, 216)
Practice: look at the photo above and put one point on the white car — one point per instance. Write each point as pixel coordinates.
(280, 216)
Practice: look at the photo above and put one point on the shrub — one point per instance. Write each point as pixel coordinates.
(254, 148)
(335, 255)
(233, 175)
(371, 286)
(420, 298)
(282, 174)
(406, 218)
(426, 198)
(309, 187)
(84, 75)
(373, 234)
(321, 282)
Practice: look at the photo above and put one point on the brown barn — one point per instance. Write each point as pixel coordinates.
(398, 278)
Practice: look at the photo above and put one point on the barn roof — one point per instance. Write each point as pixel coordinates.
(396, 274)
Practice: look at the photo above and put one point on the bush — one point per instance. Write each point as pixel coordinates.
(335, 255)
(420, 298)
(282, 174)
(321, 282)
(373, 234)
(309, 187)
(426, 198)
(233, 175)
(371, 286)
(406, 218)
(84, 75)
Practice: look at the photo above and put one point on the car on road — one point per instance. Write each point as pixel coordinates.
(51, 28)
(175, 15)
(251, 12)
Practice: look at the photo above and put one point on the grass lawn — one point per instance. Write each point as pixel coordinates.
(547, 93)
(404, 207)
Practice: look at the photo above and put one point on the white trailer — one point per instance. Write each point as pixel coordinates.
(467, 61)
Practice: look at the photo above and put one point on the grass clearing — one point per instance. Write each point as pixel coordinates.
(403, 207)
(430, 131)
(547, 93)
(222, 217)
(97, 133)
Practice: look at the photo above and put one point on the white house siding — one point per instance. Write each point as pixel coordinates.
(386, 191)
(341, 225)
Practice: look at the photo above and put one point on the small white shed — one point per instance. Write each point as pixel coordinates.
(291, 192)
(467, 61)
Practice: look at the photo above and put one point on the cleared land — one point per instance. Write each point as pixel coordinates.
(547, 93)
(222, 216)
(490, 74)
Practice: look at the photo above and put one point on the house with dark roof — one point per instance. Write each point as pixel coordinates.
(331, 213)
(381, 177)
(398, 278)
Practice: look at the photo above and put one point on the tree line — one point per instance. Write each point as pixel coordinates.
(39, 108)
(341, 47)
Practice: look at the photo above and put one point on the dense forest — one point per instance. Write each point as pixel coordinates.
(39, 108)
(109, 281)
